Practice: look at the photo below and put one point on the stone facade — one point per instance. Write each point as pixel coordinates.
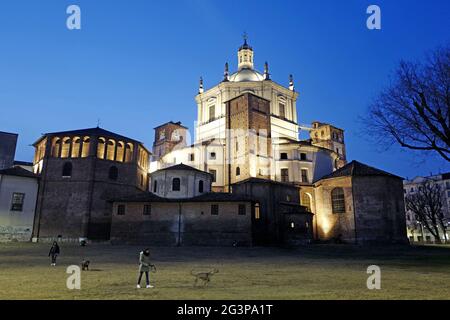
(360, 204)
(18, 193)
(154, 221)
(248, 152)
(168, 137)
(279, 219)
(190, 182)
(78, 178)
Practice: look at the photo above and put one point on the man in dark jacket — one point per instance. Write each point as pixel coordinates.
(54, 251)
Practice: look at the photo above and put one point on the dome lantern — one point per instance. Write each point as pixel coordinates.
(245, 55)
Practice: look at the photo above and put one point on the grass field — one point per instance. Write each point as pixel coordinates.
(315, 272)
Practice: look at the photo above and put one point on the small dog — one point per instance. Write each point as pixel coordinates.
(203, 276)
(85, 265)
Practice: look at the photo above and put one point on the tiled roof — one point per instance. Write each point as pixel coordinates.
(19, 172)
(182, 166)
(91, 131)
(356, 168)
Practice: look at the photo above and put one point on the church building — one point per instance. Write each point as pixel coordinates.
(247, 178)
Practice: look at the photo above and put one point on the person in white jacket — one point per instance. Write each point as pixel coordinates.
(144, 266)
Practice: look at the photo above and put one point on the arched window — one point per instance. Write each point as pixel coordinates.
(176, 184)
(67, 170)
(113, 173)
(338, 200)
(155, 186)
(85, 148)
(76, 147)
(111, 150)
(101, 148)
(128, 152)
(56, 147)
(306, 201)
(120, 151)
(200, 186)
(65, 148)
(238, 171)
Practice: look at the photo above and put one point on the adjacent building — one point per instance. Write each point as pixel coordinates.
(8, 142)
(80, 171)
(416, 231)
(18, 193)
(360, 204)
(181, 210)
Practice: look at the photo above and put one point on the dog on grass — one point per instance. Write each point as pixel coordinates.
(203, 276)
(85, 265)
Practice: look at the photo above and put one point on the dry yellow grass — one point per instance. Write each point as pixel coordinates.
(315, 272)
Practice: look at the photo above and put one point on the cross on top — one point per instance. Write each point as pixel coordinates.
(245, 36)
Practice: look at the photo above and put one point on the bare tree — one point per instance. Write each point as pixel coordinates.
(427, 204)
(414, 111)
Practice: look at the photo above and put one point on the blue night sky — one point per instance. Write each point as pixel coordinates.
(136, 64)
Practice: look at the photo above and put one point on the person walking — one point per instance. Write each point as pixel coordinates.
(144, 267)
(54, 252)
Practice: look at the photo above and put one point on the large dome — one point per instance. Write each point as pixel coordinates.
(246, 74)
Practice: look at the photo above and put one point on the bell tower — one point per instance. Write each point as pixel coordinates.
(168, 137)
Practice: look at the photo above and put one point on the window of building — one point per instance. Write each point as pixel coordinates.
(237, 146)
(284, 175)
(56, 147)
(65, 148)
(120, 151)
(338, 200)
(85, 148)
(257, 212)
(101, 148)
(176, 184)
(191, 156)
(212, 112)
(67, 170)
(303, 156)
(155, 186)
(304, 173)
(113, 173)
(147, 210)
(110, 150)
(128, 152)
(238, 171)
(212, 156)
(142, 180)
(283, 156)
(306, 201)
(121, 210)
(76, 144)
(214, 209)
(200, 186)
(17, 201)
(242, 210)
(214, 174)
(282, 110)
